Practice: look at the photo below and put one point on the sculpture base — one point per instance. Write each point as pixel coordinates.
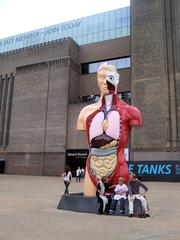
(79, 203)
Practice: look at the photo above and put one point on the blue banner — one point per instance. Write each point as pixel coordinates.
(165, 171)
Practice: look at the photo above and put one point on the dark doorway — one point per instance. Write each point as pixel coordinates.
(2, 166)
(76, 158)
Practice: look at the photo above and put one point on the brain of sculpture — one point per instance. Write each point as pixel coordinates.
(108, 124)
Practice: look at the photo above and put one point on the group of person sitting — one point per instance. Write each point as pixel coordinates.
(121, 193)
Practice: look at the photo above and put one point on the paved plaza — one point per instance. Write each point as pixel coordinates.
(28, 211)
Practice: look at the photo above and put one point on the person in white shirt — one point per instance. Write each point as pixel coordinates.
(67, 175)
(78, 175)
(121, 191)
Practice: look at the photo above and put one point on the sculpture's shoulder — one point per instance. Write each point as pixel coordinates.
(133, 114)
(132, 110)
(85, 112)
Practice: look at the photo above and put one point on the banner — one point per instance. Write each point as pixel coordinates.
(152, 170)
(163, 171)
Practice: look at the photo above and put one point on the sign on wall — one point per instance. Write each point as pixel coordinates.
(76, 157)
(165, 171)
(126, 154)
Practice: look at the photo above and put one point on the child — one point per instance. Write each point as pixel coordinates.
(121, 191)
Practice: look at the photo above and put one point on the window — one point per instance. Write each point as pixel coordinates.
(99, 27)
(6, 93)
(93, 67)
(125, 96)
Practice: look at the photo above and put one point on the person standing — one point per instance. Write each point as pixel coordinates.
(82, 172)
(67, 175)
(134, 193)
(78, 175)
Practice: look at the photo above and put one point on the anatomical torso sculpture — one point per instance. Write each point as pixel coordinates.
(108, 124)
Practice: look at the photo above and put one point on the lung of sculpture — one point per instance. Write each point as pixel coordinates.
(108, 124)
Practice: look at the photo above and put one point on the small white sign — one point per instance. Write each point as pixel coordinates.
(126, 153)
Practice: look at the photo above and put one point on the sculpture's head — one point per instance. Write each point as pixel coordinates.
(108, 79)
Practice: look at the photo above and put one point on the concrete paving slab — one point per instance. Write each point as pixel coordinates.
(28, 212)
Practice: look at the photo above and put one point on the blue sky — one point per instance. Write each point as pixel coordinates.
(18, 16)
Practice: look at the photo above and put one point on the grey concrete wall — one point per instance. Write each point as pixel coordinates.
(45, 78)
(152, 83)
(108, 49)
(75, 139)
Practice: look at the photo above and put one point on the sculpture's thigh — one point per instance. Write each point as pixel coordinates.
(89, 188)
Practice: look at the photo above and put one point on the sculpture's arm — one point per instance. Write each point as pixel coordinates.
(81, 122)
(135, 118)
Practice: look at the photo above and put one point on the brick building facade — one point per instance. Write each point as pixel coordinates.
(42, 86)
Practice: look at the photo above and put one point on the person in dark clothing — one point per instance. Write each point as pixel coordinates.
(103, 197)
(134, 193)
(140, 177)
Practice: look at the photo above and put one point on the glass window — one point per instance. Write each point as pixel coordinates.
(106, 35)
(79, 40)
(95, 37)
(124, 21)
(118, 18)
(101, 36)
(84, 39)
(112, 34)
(118, 32)
(70, 30)
(112, 24)
(96, 24)
(106, 21)
(112, 62)
(124, 31)
(90, 25)
(104, 26)
(128, 11)
(125, 17)
(123, 63)
(128, 62)
(93, 67)
(79, 27)
(125, 96)
(118, 63)
(85, 26)
(85, 68)
(89, 39)
(101, 22)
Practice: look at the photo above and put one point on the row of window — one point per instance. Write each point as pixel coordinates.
(6, 93)
(99, 27)
(125, 96)
(118, 63)
(102, 36)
